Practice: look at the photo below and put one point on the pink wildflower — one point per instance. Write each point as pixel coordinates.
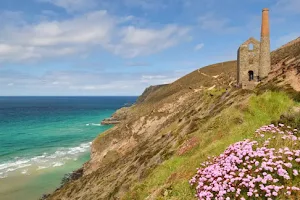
(295, 172)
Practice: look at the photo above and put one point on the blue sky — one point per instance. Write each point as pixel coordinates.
(119, 47)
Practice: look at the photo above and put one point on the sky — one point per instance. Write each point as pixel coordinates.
(120, 47)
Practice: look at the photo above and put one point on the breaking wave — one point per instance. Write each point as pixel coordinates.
(93, 124)
(57, 159)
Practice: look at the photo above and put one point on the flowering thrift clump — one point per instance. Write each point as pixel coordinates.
(253, 169)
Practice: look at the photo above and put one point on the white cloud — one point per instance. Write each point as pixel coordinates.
(155, 79)
(287, 6)
(17, 52)
(8, 49)
(83, 33)
(150, 77)
(73, 5)
(199, 46)
(71, 82)
(138, 41)
(211, 22)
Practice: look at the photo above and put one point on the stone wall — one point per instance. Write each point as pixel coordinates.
(248, 60)
(265, 56)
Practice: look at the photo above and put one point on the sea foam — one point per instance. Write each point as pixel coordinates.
(93, 124)
(40, 162)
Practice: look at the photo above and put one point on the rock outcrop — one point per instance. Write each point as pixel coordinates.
(110, 121)
(286, 65)
(117, 117)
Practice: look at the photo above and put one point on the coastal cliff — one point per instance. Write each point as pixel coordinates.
(148, 92)
(123, 113)
(120, 115)
(158, 143)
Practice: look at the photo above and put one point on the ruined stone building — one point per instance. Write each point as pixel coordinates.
(254, 58)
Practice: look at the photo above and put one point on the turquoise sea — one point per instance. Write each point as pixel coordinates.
(43, 138)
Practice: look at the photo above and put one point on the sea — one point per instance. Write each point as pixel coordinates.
(44, 138)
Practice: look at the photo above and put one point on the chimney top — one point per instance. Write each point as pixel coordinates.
(265, 29)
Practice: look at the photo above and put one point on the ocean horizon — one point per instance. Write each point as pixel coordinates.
(44, 137)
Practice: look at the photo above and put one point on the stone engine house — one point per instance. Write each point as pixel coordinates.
(248, 63)
(254, 58)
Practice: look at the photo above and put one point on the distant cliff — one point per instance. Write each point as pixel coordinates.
(148, 92)
(121, 114)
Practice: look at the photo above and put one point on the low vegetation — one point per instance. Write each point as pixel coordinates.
(234, 124)
(265, 167)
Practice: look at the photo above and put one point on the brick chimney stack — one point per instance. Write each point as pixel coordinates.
(265, 54)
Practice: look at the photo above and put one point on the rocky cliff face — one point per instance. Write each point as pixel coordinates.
(117, 117)
(286, 65)
(159, 127)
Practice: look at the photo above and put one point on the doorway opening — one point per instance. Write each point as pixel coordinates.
(251, 75)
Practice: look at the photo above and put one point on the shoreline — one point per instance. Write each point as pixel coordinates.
(58, 158)
(64, 164)
(36, 183)
(72, 176)
(117, 117)
(49, 144)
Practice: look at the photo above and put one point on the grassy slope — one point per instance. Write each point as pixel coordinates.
(170, 180)
(197, 79)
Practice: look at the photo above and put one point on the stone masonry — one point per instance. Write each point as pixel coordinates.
(248, 62)
(265, 55)
(254, 58)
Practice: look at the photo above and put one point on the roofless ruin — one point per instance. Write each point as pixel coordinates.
(254, 59)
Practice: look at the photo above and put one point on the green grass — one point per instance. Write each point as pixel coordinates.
(170, 180)
(216, 92)
(157, 178)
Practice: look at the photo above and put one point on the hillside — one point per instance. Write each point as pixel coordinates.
(148, 91)
(155, 152)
